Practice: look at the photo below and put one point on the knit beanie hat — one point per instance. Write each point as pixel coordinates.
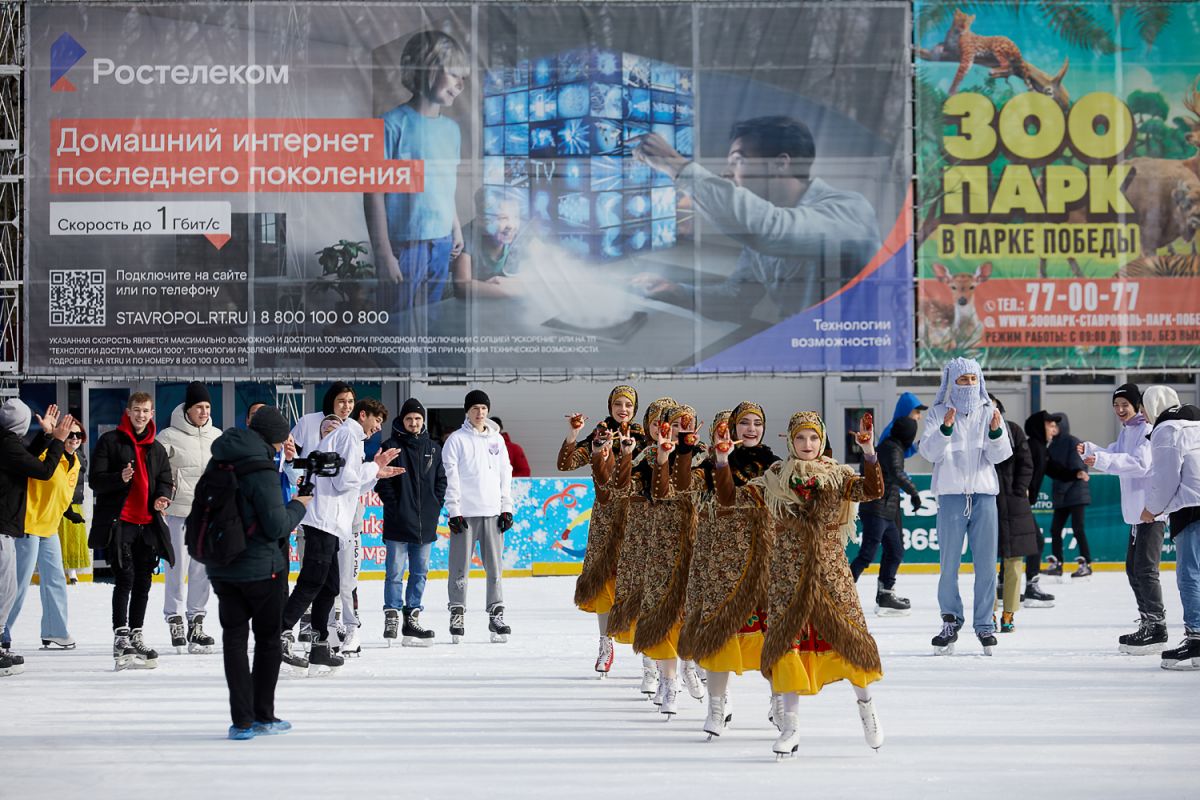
(476, 397)
(1130, 392)
(15, 416)
(338, 387)
(1156, 400)
(271, 425)
(196, 393)
(412, 406)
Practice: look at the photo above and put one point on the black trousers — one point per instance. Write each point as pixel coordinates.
(133, 571)
(317, 584)
(875, 531)
(240, 606)
(1033, 563)
(1141, 566)
(1056, 530)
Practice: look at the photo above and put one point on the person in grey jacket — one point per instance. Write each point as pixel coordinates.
(1070, 497)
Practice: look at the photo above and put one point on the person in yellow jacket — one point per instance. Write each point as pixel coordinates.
(46, 504)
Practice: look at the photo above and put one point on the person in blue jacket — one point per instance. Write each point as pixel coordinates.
(909, 405)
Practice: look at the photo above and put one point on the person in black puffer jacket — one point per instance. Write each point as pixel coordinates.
(1071, 497)
(883, 519)
(251, 589)
(412, 503)
(1042, 429)
(1020, 536)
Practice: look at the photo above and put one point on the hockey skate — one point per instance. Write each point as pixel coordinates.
(872, 728)
(889, 604)
(292, 659)
(178, 633)
(123, 652)
(789, 736)
(496, 626)
(457, 624)
(1084, 570)
(1007, 625)
(8, 666)
(1151, 637)
(415, 634)
(670, 699)
(322, 661)
(720, 714)
(1034, 597)
(391, 625)
(198, 640)
(1053, 569)
(58, 643)
(306, 631)
(351, 646)
(649, 676)
(987, 641)
(144, 656)
(604, 658)
(943, 643)
(1184, 657)
(691, 679)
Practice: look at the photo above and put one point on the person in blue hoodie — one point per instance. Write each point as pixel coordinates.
(910, 406)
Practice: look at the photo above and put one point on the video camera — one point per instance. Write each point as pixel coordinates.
(317, 464)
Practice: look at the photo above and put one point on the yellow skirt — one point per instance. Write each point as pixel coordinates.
(811, 664)
(742, 653)
(666, 649)
(602, 603)
(73, 537)
(627, 636)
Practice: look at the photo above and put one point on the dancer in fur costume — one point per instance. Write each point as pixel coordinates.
(816, 631)
(631, 483)
(595, 588)
(727, 585)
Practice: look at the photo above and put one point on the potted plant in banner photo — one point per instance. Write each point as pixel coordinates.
(344, 271)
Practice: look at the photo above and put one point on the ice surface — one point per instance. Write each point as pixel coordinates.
(1057, 712)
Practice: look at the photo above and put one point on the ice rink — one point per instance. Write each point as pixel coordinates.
(1056, 713)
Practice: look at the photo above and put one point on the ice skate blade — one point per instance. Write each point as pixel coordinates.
(143, 663)
(1037, 604)
(667, 715)
(412, 641)
(1147, 650)
(455, 638)
(881, 611)
(499, 638)
(15, 669)
(1081, 579)
(1186, 665)
(201, 649)
(946, 650)
(602, 674)
(782, 756)
(46, 645)
(987, 650)
(321, 671)
(351, 653)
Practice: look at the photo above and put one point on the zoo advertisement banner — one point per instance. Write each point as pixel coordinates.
(1058, 183)
(552, 515)
(291, 189)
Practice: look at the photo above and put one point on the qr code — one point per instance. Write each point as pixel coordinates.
(77, 297)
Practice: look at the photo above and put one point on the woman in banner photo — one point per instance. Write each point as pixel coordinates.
(594, 591)
(415, 234)
(816, 631)
(633, 480)
(727, 585)
(72, 529)
(668, 556)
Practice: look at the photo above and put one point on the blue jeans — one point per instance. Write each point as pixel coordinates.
(981, 531)
(417, 558)
(425, 267)
(1187, 574)
(45, 553)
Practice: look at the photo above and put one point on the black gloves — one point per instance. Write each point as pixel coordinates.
(458, 524)
(71, 515)
(505, 521)
(916, 502)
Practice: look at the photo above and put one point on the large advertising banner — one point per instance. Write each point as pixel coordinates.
(229, 189)
(1058, 183)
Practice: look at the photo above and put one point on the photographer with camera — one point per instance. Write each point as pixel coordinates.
(328, 525)
(251, 589)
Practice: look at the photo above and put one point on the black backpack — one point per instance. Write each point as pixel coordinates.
(214, 532)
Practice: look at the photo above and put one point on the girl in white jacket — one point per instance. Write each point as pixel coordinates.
(1129, 459)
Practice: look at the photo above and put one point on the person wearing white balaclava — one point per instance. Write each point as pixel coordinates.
(964, 437)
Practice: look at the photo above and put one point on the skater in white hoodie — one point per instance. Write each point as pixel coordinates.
(479, 504)
(188, 443)
(1129, 459)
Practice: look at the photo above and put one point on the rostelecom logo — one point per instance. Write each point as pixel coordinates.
(64, 54)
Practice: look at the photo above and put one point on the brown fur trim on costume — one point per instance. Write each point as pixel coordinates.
(654, 626)
(702, 637)
(598, 569)
(852, 643)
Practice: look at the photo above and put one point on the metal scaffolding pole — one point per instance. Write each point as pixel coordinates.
(12, 183)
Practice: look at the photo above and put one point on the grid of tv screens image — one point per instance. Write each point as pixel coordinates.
(558, 137)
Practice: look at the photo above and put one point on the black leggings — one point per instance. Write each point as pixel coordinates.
(1056, 530)
(133, 571)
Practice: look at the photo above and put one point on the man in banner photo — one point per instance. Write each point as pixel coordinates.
(1059, 185)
